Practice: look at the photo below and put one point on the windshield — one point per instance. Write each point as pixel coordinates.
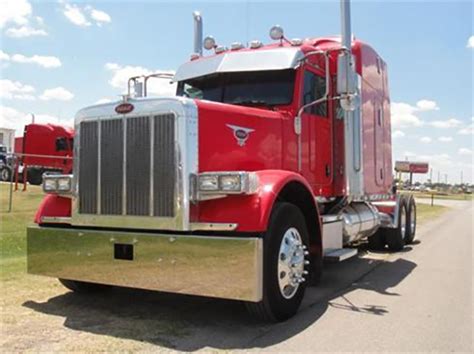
(268, 88)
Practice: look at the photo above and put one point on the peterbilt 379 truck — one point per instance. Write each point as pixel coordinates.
(269, 159)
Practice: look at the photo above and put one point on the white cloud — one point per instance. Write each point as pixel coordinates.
(465, 151)
(41, 60)
(85, 16)
(100, 16)
(57, 93)
(4, 56)
(25, 31)
(75, 15)
(15, 119)
(426, 140)
(16, 90)
(403, 116)
(445, 139)
(103, 100)
(15, 12)
(121, 74)
(427, 105)
(398, 134)
(448, 123)
(19, 13)
(470, 42)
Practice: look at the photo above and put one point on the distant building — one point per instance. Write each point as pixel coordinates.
(7, 138)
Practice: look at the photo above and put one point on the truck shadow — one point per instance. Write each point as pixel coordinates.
(189, 323)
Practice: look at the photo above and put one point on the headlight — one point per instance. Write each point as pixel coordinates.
(60, 184)
(230, 183)
(219, 184)
(49, 184)
(64, 184)
(208, 183)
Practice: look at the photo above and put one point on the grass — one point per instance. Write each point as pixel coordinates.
(437, 195)
(13, 226)
(427, 212)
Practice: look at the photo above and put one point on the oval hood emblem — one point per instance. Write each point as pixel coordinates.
(124, 108)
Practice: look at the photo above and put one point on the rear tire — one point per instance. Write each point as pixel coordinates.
(411, 222)
(377, 241)
(6, 174)
(396, 237)
(35, 176)
(83, 287)
(284, 262)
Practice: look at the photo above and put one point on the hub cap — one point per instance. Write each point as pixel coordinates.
(291, 262)
(412, 220)
(403, 222)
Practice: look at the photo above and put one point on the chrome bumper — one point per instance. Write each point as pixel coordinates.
(223, 267)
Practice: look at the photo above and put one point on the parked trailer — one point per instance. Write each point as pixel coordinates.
(268, 160)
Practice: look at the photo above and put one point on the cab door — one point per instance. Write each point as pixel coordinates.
(316, 131)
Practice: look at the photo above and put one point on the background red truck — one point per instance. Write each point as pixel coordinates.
(269, 159)
(42, 148)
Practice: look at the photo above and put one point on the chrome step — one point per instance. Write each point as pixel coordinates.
(339, 254)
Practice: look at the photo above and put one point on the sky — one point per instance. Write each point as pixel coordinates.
(59, 56)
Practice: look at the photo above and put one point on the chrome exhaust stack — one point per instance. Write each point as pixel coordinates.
(197, 32)
(348, 91)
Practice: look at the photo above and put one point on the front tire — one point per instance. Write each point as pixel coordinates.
(83, 287)
(6, 174)
(285, 264)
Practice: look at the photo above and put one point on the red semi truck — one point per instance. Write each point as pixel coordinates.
(43, 148)
(269, 159)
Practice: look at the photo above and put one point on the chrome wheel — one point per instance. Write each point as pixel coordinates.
(291, 263)
(403, 222)
(412, 220)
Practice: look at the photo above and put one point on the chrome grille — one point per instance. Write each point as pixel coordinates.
(134, 160)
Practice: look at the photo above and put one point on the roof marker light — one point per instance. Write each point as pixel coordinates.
(209, 43)
(255, 44)
(220, 49)
(296, 42)
(276, 33)
(236, 46)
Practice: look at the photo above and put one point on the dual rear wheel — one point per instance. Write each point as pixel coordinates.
(403, 234)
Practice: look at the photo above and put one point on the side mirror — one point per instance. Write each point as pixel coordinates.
(138, 88)
(346, 82)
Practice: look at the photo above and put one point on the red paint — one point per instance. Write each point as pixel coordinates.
(124, 108)
(53, 205)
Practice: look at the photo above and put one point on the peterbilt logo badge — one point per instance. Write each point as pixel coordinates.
(240, 133)
(124, 108)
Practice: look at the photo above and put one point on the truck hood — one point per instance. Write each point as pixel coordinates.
(233, 138)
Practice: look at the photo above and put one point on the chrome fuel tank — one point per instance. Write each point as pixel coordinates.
(360, 220)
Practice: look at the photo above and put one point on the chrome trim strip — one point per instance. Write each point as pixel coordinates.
(56, 220)
(99, 138)
(152, 164)
(331, 218)
(124, 168)
(213, 266)
(204, 226)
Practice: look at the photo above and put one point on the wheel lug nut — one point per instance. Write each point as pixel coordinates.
(306, 253)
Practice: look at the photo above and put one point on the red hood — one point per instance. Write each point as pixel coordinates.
(233, 138)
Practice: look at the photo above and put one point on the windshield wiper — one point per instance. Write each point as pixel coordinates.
(253, 103)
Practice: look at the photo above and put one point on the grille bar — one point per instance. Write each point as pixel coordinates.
(164, 170)
(111, 176)
(88, 165)
(138, 166)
